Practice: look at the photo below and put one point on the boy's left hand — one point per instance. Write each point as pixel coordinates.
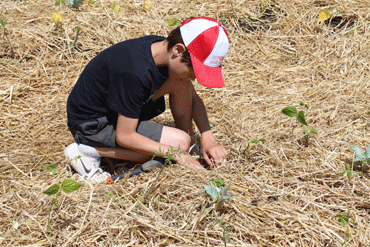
(212, 150)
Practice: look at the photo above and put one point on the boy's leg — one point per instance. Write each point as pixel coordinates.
(174, 137)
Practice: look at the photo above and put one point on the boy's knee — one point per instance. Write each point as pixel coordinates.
(184, 141)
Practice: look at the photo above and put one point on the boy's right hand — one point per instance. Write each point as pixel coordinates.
(188, 160)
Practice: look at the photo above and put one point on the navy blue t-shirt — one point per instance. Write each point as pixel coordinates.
(120, 79)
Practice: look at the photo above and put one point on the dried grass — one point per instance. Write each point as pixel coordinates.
(275, 61)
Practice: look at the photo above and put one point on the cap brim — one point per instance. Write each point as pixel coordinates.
(207, 76)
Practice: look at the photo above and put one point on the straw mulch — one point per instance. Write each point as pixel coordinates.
(280, 55)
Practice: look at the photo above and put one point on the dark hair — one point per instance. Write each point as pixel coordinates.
(174, 38)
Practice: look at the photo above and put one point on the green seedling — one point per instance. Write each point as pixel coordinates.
(52, 168)
(361, 157)
(217, 182)
(67, 186)
(227, 230)
(59, 2)
(170, 154)
(215, 193)
(112, 197)
(75, 3)
(291, 111)
(3, 22)
(345, 221)
(252, 141)
(176, 21)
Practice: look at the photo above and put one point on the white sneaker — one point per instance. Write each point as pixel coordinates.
(84, 165)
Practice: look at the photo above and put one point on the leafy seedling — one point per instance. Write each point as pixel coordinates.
(75, 3)
(252, 141)
(3, 22)
(67, 186)
(59, 2)
(52, 168)
(176, 21)
(216, 193)
(227, 230)
(361, 157)
(217, 182)
(345, 221)
(291, 111)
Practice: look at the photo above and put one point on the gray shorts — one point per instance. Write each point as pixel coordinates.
(102, 133)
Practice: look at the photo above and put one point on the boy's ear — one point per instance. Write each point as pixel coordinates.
(178, 49)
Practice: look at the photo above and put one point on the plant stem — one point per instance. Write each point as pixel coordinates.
(77, 32)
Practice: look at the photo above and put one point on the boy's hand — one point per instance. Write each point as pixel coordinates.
(212, 150)
(188, 160)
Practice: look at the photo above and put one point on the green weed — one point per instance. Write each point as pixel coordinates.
(52, 168)
(67, 186)
(217, 195)
(3, 23)
(346, 220)
(291, 111)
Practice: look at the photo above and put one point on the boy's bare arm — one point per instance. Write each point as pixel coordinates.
(127, 137)
(210, 147)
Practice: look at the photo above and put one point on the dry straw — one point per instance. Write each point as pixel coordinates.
(280, 55)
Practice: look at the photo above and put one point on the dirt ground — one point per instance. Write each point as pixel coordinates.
(286, 191)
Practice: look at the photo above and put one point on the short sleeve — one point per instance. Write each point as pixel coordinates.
(126, 94)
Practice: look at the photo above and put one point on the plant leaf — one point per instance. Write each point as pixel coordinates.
(324, 15)
(225, 196)
(301, 118)
(347, 166)
(217, 182)
(359, 156)
(52, 190)
(290, 111)
(367, 154)
(349, 174)
(69, 185)
(212, 191)
(172, 22)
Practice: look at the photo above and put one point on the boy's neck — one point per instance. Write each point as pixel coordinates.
(160, 54)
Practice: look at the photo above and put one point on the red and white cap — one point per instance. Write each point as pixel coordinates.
(208, 43)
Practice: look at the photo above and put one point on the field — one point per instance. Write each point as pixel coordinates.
(287, 189)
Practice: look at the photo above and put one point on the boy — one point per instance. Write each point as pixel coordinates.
(124, 86)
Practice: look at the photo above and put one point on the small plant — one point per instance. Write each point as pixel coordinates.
(227, 230)
(3, 22)
(344, 222)
(75, 3)
(252, 141)
(59, 2)
(217, 195)
(52, 168)
(112, 197)
(360, 156)
(291, 111)
(67, 186)
(176, 21)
